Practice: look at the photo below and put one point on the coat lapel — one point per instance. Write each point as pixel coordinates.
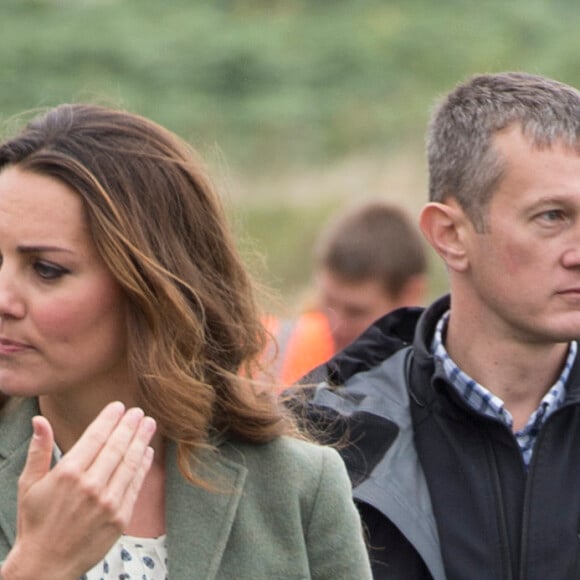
(15, 433)
(200, 521)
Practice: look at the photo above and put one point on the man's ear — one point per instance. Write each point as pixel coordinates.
(444, 225)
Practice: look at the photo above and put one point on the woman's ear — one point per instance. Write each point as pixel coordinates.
(444, 224)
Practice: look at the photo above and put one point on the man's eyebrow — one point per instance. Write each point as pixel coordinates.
(555, 199)
(39, 249)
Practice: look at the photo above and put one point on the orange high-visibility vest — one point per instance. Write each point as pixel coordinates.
(303, 344)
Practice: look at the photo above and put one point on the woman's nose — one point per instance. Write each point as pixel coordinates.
(12, 302)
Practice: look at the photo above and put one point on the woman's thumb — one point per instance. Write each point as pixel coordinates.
(39, 453)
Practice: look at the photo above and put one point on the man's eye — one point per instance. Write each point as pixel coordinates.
(49, 271)
(552, 216)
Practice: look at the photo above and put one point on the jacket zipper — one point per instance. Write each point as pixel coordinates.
(577, 566)
(496, 480)
(527, 496)
(527, 504)
(504, 536)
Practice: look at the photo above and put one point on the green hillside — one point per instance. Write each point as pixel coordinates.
(294, 103)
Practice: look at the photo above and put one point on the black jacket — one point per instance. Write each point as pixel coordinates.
(442, 490)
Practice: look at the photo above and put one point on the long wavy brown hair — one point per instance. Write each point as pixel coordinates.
(194, 328)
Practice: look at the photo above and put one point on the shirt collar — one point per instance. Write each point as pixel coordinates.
(484, 401)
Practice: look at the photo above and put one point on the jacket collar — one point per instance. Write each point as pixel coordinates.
(379, 401)
(424, 364)
(200, 522)
(15, 434)
(425, 371)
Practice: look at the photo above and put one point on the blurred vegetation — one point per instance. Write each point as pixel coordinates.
(267, 88)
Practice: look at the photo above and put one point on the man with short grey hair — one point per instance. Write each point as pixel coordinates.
(464, 417)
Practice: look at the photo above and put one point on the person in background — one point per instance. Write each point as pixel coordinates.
(132, 443)
(464, 417)
(368, 260)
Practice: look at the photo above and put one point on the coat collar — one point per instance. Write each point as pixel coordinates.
(15, 434)
(200, 522)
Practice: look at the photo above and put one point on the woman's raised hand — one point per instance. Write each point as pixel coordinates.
(71, 515)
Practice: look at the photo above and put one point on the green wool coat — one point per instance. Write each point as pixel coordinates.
(283, 510)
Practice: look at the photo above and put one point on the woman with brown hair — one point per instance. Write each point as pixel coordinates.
(133, 445)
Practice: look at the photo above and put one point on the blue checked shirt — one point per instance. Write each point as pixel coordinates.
(486, 403)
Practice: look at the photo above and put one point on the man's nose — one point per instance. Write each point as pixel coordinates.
(571, 257)
(571, 254)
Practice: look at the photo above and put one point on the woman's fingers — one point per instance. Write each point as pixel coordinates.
(87, 448)
(110, 452)
(136, 455)
(39, 454)
(133, 486)
(122, 457)
(114, 449)
(91, 492)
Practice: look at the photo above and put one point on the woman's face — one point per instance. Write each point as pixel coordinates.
(62, 313)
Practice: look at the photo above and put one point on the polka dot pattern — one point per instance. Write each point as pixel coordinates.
(132, 559)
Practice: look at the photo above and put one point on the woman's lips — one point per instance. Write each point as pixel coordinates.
(8, 346)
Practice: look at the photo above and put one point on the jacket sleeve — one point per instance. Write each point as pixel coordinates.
(334, 536)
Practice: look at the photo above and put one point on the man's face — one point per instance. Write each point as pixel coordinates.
(351, 306)
(523, 275)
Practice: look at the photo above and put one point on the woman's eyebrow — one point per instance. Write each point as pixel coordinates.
(25, 249)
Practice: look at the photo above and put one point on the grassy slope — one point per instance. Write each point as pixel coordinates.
(298, 106)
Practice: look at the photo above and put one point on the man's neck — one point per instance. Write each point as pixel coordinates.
(520, 374)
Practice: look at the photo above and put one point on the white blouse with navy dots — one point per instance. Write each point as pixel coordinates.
(130, 558)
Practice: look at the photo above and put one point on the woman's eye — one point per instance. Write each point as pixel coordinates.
(49, 271)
